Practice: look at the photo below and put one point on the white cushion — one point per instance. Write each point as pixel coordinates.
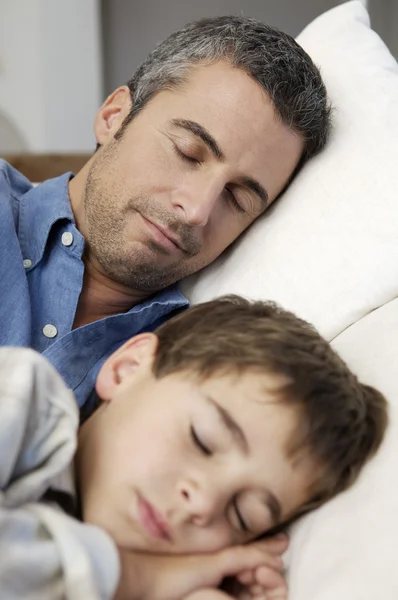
(328, 250)
(347, 550)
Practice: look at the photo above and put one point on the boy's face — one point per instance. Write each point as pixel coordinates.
(179, 465)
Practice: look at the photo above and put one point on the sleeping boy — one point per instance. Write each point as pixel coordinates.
(233, 418)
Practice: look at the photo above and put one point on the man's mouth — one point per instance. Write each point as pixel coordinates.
(163, 236)
(152, 520)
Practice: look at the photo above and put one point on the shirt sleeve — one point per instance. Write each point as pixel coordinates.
(44, 553)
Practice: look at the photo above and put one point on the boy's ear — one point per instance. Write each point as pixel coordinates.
(112, 114)
(138, 352)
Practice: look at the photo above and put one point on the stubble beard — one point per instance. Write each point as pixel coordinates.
(125, 262)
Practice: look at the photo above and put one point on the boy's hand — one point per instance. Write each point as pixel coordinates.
(168, 577)
(208, 594)
(262, 587)
(261, 583)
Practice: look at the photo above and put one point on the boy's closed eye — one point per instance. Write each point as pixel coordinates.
(199, 443)
(206, 450)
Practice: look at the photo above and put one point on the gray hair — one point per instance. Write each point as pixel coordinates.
(269, 56)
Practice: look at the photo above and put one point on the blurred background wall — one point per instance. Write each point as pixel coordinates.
(51, 74)
(60, 58)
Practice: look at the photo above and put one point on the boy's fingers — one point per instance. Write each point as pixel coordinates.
(257, 590)
(246, 577)
(272, 582)
(275, 545)
(209, 594)
(277, 594)
(240, 559)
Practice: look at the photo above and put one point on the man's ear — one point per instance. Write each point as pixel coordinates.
(138, 353)
(112, 114)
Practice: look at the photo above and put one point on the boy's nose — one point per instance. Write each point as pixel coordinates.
(200, 505)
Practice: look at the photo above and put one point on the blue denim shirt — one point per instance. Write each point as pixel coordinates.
(41, 276)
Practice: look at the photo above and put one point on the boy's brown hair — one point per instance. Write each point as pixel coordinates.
(342, 420)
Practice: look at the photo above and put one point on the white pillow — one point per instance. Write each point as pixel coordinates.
(328, 250)
(347, 550)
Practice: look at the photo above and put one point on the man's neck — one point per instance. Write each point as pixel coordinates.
(101, 297)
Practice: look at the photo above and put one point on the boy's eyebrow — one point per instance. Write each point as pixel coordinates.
(231, 424)
(272, 501)
(206, 137)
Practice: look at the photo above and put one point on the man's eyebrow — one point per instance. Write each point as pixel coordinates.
(256, 187)
(272, 502)
(208, 139)
(203, 134)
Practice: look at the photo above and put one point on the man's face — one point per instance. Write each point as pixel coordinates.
(178, 465)
(191, 172)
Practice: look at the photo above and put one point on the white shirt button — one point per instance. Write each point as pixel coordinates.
(67, 238)
(27, 263)
(50, 331)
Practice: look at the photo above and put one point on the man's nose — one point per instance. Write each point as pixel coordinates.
(200, 504)
(197, 200)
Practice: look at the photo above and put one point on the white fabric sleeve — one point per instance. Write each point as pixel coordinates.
(44, 553)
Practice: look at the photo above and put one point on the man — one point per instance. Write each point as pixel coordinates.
(203, 138)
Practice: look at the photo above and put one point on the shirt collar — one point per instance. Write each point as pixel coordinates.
(155, 307)
(40, 208)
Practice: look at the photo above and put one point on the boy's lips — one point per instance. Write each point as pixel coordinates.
(152, 521)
